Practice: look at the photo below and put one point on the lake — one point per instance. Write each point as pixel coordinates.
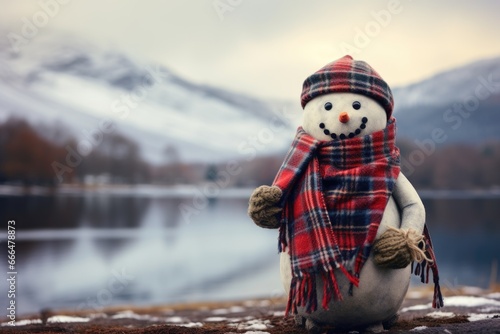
(148, 245)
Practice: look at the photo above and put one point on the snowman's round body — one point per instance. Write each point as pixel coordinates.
(381, 291)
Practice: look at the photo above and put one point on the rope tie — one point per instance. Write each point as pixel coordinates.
(396, 248)
(413, 240)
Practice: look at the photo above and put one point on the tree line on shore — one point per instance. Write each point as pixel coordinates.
(28, 158)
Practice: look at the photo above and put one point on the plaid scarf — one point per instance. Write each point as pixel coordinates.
(334, 227)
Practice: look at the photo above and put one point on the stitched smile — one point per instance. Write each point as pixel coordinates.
(356, 132)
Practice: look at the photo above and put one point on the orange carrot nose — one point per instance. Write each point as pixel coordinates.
(344, 117)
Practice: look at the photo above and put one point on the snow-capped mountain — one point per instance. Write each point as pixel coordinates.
(82, 88)
(463, 102)
(78, 88)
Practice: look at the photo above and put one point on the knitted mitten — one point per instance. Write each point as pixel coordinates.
(396, 248)
(262, 206)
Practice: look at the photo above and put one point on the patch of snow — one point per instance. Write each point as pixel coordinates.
(215, 319)
(23, 322)
(482, 316)
(416, 307)
(253, 324)
(278, 314)
(470, 301)
(461, 301)
(439, 314)
(66, 318)
(174, 319)
(493, 295)
(234, 319)
(132, 315)
(419, 328)
(124, 314)
(192, 324)
(179, 321)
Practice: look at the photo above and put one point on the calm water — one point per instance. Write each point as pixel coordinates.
(151, 246)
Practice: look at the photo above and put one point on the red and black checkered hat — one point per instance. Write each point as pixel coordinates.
(350, 76)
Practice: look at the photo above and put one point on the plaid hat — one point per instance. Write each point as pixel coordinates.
(350, 76)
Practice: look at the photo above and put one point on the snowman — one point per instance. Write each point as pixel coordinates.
(351, 225)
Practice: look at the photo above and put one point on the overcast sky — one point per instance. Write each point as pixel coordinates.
(267, 48)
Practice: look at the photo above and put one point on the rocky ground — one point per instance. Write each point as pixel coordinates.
(463, 313)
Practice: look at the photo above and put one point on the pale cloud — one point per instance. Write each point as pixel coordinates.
(267, 48)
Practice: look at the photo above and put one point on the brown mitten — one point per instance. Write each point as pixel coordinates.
(262, 206)
(396, 248)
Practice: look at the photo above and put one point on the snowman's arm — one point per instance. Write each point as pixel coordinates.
(396, 248)
(410, 205)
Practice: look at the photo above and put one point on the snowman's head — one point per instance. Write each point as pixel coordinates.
(342, 116)
(345, 99)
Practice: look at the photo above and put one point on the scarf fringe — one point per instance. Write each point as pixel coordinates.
(424, 268)
(303, 292)
(297, 292)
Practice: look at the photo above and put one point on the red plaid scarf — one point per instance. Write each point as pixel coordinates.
(334, 196)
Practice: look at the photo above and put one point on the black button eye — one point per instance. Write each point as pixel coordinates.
(356, 105)
(328, 106)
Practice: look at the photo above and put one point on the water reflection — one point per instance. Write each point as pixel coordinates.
(70, 248)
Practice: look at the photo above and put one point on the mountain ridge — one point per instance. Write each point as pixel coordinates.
(463, 102)
(77, 85)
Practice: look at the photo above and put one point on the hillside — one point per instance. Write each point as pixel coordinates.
(464, 102)
(75, 86)
(67, 88)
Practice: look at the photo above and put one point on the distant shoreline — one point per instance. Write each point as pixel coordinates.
(189, 191)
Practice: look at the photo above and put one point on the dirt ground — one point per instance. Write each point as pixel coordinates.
(480, 314)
